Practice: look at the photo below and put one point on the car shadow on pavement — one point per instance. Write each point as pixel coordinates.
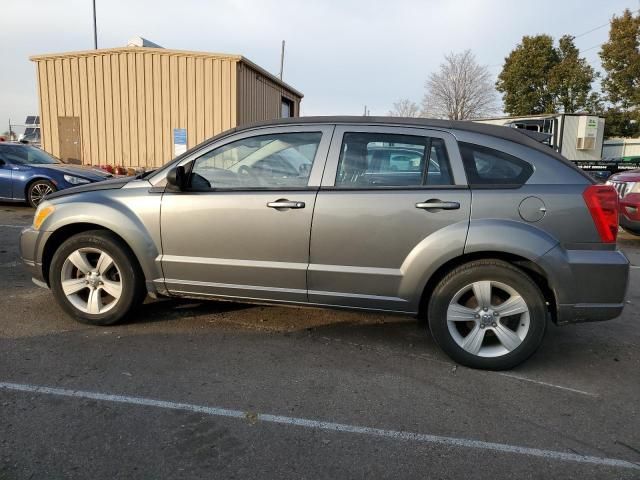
(16, 206)
(359, 330)
(565, 349)
(165, 309)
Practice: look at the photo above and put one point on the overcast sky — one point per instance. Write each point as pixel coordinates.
(342, 54)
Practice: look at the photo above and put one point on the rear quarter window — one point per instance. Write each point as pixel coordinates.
(486, 167)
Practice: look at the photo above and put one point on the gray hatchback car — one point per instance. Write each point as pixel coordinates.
(479, 230)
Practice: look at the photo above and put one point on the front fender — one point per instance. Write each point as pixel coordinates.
(134, 217)
(23, 179)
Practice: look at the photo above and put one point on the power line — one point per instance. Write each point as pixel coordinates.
(95, 28)
(582, 35)
(591, 48)
(598, 27)
(592, 30)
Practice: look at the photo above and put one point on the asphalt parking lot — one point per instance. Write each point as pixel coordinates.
(192, 389)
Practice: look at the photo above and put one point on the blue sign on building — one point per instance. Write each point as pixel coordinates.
(179, 140)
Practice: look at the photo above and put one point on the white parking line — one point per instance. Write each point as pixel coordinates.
(327, 426)
(433, 359)
(14, 226)
(546, 384)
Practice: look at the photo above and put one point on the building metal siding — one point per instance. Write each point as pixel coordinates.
(260, 97)
(129, 100)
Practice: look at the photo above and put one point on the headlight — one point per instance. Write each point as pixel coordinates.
(42, 212)
(633, 187)
(76, 180)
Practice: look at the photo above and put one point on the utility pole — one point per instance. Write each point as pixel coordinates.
(10, 132)
(281, 59)
(95, 29)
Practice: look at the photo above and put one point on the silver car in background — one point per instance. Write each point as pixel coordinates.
(479, 230)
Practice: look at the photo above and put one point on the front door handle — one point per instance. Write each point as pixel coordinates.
(435, 204)
(282, 203)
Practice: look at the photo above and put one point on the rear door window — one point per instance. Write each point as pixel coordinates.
(438, 172)
(486, 166)
(371, 160)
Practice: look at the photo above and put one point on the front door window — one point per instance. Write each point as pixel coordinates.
(266, 161)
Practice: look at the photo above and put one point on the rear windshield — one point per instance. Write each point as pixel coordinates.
(486, 166)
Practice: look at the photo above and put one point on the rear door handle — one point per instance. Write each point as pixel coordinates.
(435, 204)
(285, 204)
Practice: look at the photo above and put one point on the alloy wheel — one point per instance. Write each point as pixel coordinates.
(91, 281)
(488, 318)
(39, 191)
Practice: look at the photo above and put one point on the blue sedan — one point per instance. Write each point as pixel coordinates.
(27, 174)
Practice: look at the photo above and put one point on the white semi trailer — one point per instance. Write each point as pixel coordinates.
(579, 137)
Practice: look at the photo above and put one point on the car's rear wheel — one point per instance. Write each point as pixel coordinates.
(95, 278)
(37, 191)
(487, 314)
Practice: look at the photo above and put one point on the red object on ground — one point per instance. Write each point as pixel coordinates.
(106, 168)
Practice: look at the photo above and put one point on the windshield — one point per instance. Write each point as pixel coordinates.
(26, 155)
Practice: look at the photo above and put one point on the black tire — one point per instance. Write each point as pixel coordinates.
(130, 276)
(497, 271)
(635, 233)
(33, 197)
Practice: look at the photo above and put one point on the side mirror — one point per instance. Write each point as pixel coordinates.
(177, 178)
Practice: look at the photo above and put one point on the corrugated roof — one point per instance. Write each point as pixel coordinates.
(103, 51)
(167, 51)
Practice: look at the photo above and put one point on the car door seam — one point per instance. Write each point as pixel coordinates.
(313, 211)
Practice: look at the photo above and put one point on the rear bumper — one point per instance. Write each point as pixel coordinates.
(588, 312)
(589, 285)
(31, 247)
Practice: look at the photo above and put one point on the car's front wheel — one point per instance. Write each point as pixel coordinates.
(37, 191)
(487, 314)
(94, 277)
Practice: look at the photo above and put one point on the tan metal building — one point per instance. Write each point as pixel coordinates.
(131, 106)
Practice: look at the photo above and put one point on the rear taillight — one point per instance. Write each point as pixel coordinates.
(602, 201)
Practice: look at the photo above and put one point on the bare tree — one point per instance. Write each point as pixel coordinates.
(460, 90)
(405, 108)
